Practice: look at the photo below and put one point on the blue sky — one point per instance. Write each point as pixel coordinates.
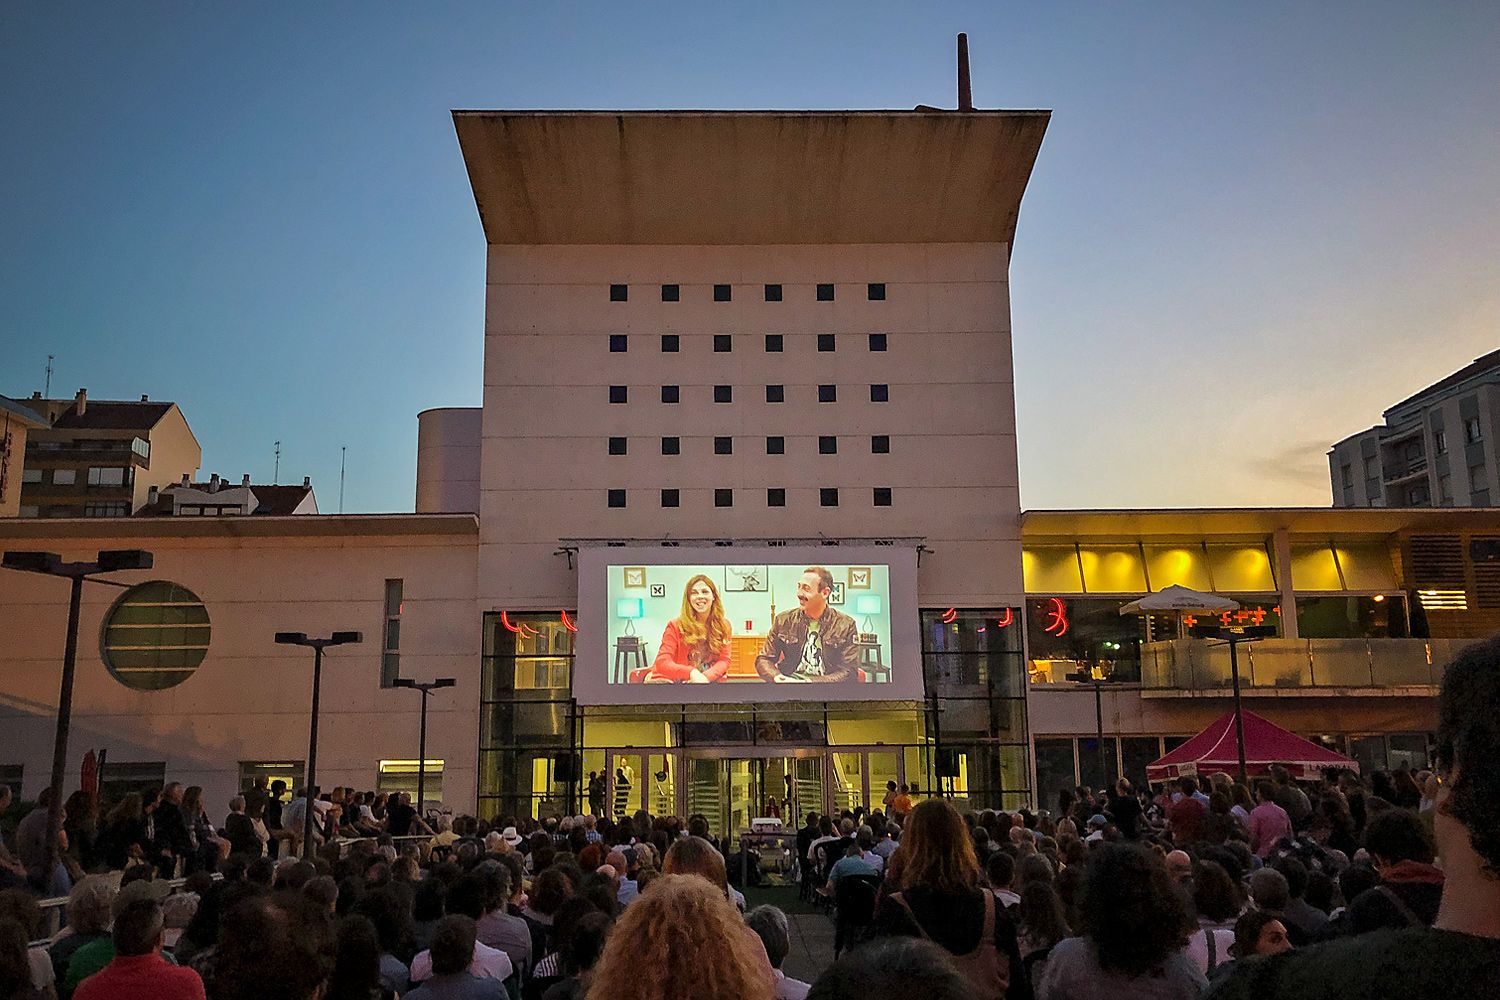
(1265, 222)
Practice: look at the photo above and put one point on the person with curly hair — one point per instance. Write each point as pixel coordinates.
(1135, 933)
(683, 938)
(1459, 955)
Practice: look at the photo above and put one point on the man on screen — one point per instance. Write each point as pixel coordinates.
(813, 643)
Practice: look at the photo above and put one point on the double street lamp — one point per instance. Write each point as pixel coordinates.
(426, 687)
(310, 782)
(51, 564)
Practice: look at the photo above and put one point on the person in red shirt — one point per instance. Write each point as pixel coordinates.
(695, 644)
(138, 972)
(1187, 814)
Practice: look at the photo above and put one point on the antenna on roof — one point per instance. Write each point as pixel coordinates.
(47, 385)
(276, 474)
(343, 451)
(965, 92)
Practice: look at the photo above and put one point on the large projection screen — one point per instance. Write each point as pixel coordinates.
(718, 625)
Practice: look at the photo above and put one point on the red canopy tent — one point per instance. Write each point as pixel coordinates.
(1214, 750)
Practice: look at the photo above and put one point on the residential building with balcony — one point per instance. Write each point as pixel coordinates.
(16, 422)
(101, 458)
(1367, 607)
(1435, 449)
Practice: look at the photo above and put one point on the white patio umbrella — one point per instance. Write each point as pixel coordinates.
(1183, 600)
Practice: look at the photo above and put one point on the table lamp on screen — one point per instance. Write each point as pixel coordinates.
(867, 605)
(631, 609)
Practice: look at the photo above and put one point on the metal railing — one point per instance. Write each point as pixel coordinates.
(1200, 665)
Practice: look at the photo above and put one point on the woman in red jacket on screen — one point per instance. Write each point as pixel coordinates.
(695, 645)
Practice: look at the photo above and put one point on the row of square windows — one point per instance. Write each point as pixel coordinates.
(874, 291)
(828, 496)
(828, 444)
(879, 393)
(671, 343)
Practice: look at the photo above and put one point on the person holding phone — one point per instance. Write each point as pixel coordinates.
(695, 645)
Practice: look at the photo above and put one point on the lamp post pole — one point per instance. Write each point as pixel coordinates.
(426, 687)
(1239, 718)
(51, 564)
(310, 782)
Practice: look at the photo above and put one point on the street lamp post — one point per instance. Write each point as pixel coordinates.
(310, 781)
(1087, 677)
(1235, 635)
(426, 687)
(51, 564)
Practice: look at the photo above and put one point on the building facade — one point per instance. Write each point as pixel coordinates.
(1435, 449)
(102, 458)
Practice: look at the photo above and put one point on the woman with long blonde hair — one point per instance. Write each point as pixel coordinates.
(682, 938)
(695, 645)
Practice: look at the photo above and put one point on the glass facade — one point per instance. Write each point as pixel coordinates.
(736, 761)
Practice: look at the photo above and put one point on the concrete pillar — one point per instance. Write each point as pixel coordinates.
(1282, 544)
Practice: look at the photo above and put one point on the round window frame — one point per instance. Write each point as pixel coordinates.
(108, 621)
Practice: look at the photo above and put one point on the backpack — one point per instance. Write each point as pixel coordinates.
(985, 968)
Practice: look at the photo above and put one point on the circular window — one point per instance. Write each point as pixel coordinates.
(155, 636)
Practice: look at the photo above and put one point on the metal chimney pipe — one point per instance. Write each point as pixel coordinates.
(965, 93)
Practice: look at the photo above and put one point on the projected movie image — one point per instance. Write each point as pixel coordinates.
(749, 625)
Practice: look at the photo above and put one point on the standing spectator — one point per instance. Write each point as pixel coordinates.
(499, 928)
(451, 961)
(1269, 823)
(1187, 812)
(1459, 956)
(1217, 905)
(771, 925)
(1411, 886)
(82, 829)
(1308, 920)
(683, 939)
(137, 971)
(940, 898)
(1259, 933)
(1126, 810)
(172, 840)
(208, 847)
(31, 849)
(1135, 933)
(1291, 798)
(274, 824)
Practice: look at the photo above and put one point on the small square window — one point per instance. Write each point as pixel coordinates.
(617, 446)
(875, 291)
(618, 343)
(825, 293)
(671, 446)
(776, 394)
(671, 293)
(619, 394)
(619, 293)
(669, 394)
(723, 498)
(723, 394)
(880, 393)
(723, 343)
(721, 293)
(776, 445)
(669, 343)
(880, 444)
(877, 341)
(828, 394)
(669, 498)
(776, 497)
(617, 498)
(882, 496)
(723, 446)
(828, 496)
(773, 343)
(773, 293)
(825, 342)
(828, 444)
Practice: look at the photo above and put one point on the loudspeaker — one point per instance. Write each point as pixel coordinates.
(566, 767)
(947, 763)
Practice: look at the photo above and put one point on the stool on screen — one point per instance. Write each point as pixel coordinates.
(630, 654)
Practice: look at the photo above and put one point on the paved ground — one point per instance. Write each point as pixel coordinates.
(812, 932)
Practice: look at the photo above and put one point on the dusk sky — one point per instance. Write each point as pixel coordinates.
(1251, 227)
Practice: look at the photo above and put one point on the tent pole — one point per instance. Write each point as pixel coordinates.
(1239, 719)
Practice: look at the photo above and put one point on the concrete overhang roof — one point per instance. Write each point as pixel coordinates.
(749, 177)
(1228, 522)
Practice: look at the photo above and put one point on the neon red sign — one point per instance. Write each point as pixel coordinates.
(1058, 612)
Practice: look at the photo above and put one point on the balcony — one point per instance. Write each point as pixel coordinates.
(1297, 668)
(1402, 474)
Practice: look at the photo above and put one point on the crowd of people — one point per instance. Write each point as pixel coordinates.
(1288, 886)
